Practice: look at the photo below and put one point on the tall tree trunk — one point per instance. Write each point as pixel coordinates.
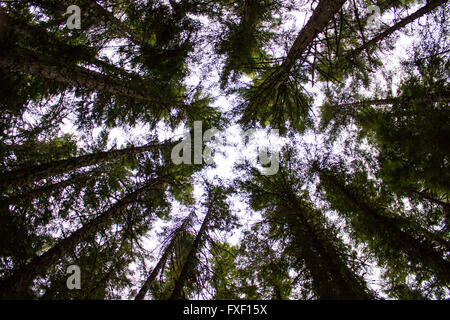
(16, 285)
(331, 276)
(322, 15)
(24, 61)
(48, 188)
(83, 53)
(162, 261)
(431, 5)
(19, 177)
(443, 96)
(419, 251)
(189, 263)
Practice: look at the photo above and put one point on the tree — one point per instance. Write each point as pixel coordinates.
(359, 208)
(431, 5)
(176, 235)
(276, 98)
(16, 284)
(216, 212)
(398, 242)
(309, 241)
(25, 175)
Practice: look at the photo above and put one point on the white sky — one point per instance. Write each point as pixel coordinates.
(225, 162)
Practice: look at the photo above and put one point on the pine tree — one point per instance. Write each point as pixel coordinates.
(359, 208)
(25, 175)
(165, 255)
(310, 242)
(276, 98)
(216, 211)
(397, 241)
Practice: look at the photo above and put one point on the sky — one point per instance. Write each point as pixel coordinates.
(235, 149)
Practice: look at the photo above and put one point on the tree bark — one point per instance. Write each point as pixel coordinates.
(16, 285)
(19, 177)
(322, 15)
(429, 98)
(431, 5)
(24, 61)
(162, 261)
(189, 264)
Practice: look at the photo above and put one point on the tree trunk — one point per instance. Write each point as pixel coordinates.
(322, 15)
(16, 285)
(24, 61)
(418, 251)
(162, 261)
(85, 54)
(431, 5)
(19, 177)
(429, 98)
(189, 264)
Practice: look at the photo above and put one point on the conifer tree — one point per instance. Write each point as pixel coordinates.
(309, 241)
(359, 208)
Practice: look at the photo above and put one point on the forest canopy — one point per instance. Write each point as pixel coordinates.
(224, 150)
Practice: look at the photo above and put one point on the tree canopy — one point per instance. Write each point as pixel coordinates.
(92, 117)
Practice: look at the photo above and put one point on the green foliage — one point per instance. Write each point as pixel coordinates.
(279, 105)
(248, 31)
(362, 185)
(308, 239)
(397, 239)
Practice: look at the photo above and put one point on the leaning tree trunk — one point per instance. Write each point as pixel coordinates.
(48, 188)
(83, 53)
(331, 276)
(19, 177)
(16, 285)
(162, 261)
(431, 5)
(440, 97)
(322, 15)
(189, 263)
(24, 61)
(416, 250)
